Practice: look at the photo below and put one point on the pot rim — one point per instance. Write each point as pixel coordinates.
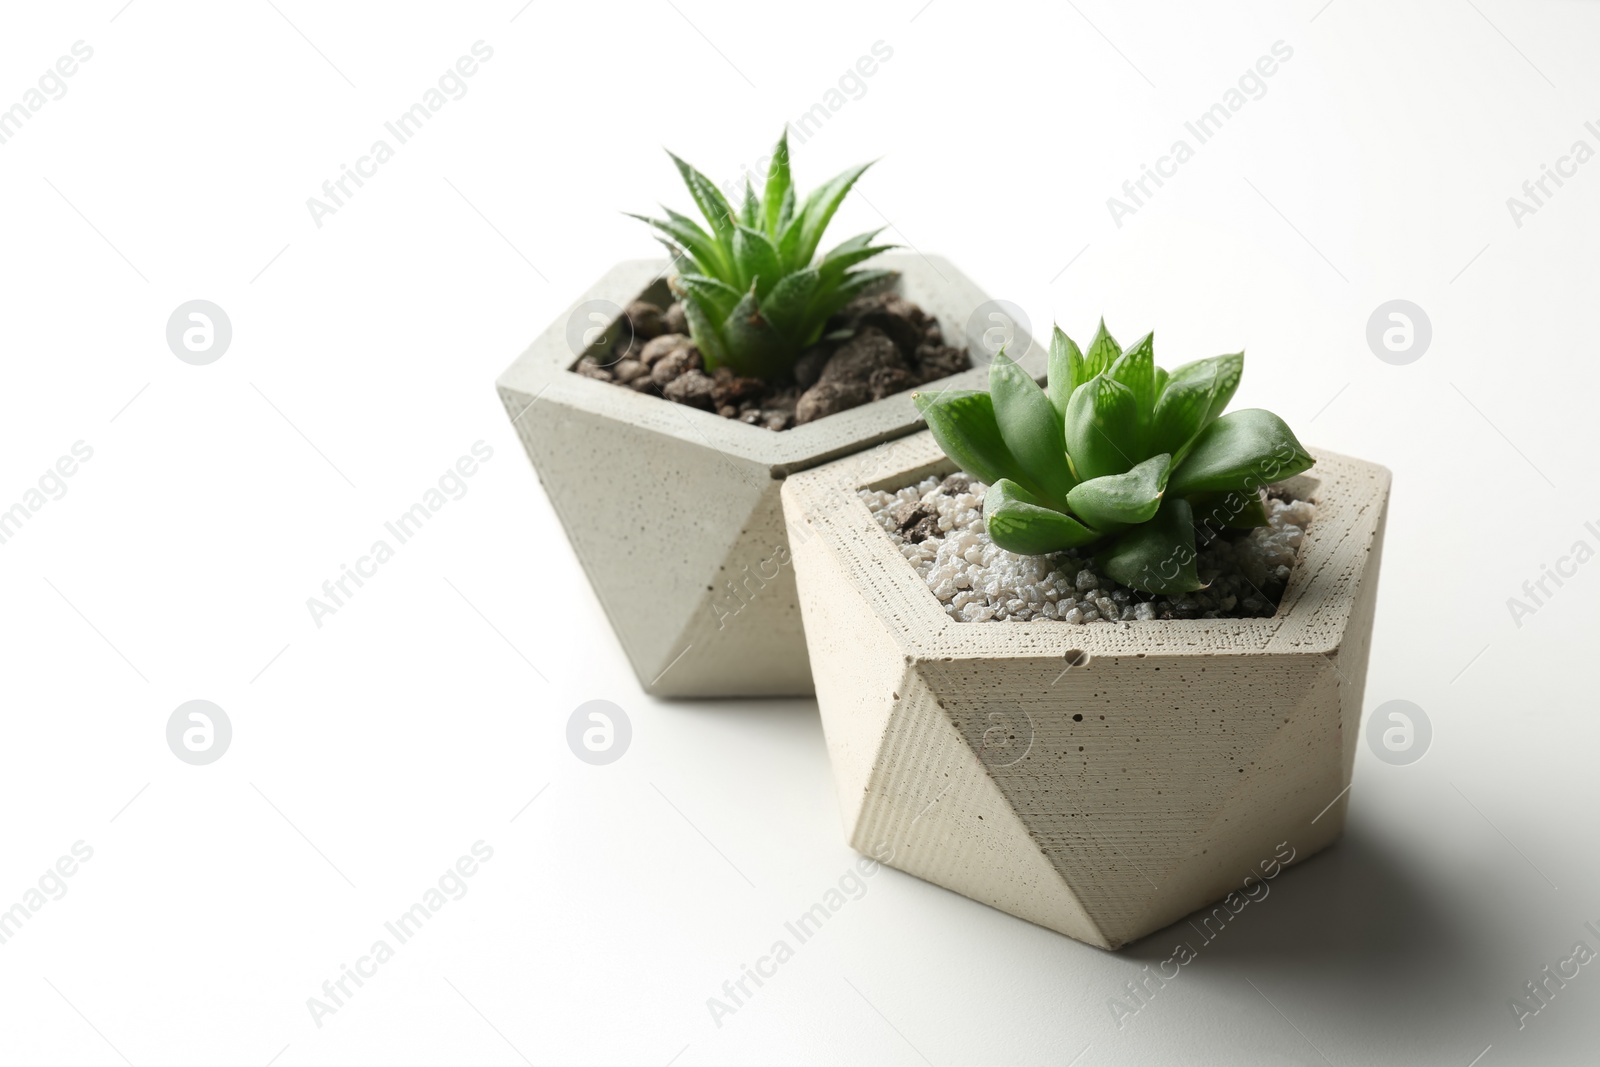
(543, 371)
(1351, 497)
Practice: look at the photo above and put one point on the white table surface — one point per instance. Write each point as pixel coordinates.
(371, 752)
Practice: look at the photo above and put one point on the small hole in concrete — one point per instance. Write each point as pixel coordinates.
(1076, 657)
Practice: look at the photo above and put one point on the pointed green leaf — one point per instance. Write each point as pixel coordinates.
(1017, 524)
(704, 330)
(820, 207)
(834, 265)
(848, 253)
(1181, 411)
(1103, 351)
(1102, 425)
(750, 215)
(690, 238)
(1228, 369)
(1066, 371)
(1030, 428)
(785, 211)
(963, 423)
(855, 283)
(1157, 556)
(1122, 499)
(709, 199)
(850, 244)
(675, 251)
(1136, 368)
(785, 306)
(1161, 382)
(757, 260)
(1245, 449)
(753, 347)
(717, 297)
(779, 186)
(789, 241)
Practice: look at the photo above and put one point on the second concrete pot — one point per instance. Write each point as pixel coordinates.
(674, 512)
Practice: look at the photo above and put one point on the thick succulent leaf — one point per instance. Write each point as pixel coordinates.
(705, 329)
(789, 240)
(750, 214)
(717, 297)
(1181, 411)
(709, 199)
(1244, 449)
(1157, 556)
(1136, 368)
(1103, 351)
(853, 284)
(1228, 369)
(754, 348)
(675, 251)
(1102, 428)
(785, 306)
(1017, 524)
(1161, 381)
(1030, 428)
(963, 423)
(686, 235)
(757, 259)
(785, 211)
(1066, 371)
(820, 207)
(836, 263)
(1243, 509)
(779, 186)
(851, 244)
(1122, 499)
(848, 253)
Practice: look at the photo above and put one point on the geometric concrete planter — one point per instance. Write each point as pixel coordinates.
(674, 512)
(1103, 780)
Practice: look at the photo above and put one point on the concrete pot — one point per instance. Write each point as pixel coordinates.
(674, 512)
(959, 752)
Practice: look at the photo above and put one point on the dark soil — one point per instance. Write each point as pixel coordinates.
(877, 346)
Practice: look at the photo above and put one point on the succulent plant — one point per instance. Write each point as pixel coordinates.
(1116, 455)
(753, 298)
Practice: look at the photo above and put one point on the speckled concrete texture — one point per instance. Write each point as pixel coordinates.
(1103, 781)
(674, 512)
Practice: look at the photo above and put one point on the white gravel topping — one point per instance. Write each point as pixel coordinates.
(938, 526)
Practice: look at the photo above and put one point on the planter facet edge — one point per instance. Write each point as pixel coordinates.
(1202, 746)
(674, 513)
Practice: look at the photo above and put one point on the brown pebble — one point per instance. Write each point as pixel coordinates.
(628, 369)
(808, 367)
(647, 319)
(674, 319)
(886, 381)
(590, 369)
(825, 398)
(658, 347)
(936, 361)
(955, 484)
(692, 387)
(675, 363)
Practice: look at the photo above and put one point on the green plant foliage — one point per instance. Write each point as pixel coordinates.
(753, 290)
(1115, 454)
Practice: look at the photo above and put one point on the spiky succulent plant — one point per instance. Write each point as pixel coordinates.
(1115, 454)
(752, 296)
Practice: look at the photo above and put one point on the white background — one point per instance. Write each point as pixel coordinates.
(370, 753)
